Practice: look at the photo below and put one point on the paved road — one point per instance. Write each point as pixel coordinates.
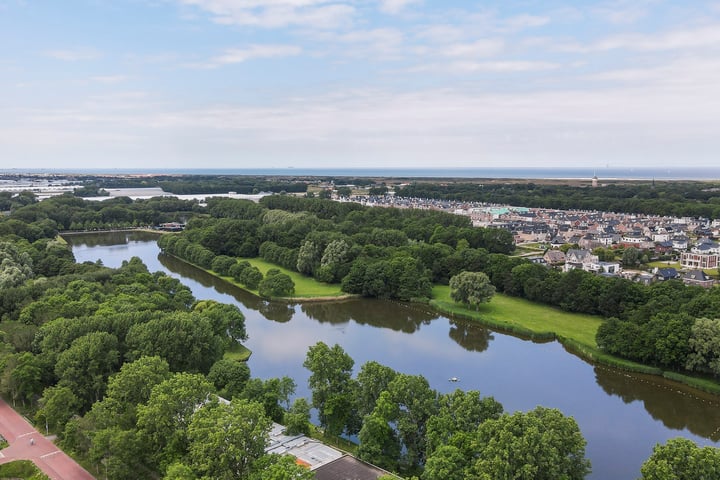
(26, 443)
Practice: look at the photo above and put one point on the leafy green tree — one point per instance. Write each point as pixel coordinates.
(704, 346)
(471, 288)
(276, 284)
(373, 379)
(251, 277)
(226, 439)
(681, 459)
(542, 444)
(229, 377)
(309, 257)
(185, 340)
(164, 420)
(179, 471)
(379, 442)
(222, 264)
(333, 389)
(23, 376)
(631, 257)
(416, 402)
(280, 467)
(57, 406)
(447, 463)
(118, 452)
(86, 365)
(272, 393)
(297, 419)
(127, 389)
(460, 413)
(226, 319)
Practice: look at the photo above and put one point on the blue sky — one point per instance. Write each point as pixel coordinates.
(358, 83)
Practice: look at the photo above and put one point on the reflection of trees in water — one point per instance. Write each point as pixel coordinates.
(470, 336)
(277, 311)
(676, 406)
(248, 300)
(396, 316)
(107, 239)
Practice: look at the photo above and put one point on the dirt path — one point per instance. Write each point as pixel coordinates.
(26, 443)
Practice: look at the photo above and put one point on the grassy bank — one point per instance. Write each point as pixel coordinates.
(305, 287)
(576, 332)
(238, 352)
(516, 315)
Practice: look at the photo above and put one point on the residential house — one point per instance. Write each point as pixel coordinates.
(554, 257)
(699, 260)
(579, 259)
(699, 278)
(664, 274)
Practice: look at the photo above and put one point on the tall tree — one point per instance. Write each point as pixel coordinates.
(681, 459)
(542, 444)
(226, 439)
(333, 389)
(471, 288)
(705, 346)
(163, 422)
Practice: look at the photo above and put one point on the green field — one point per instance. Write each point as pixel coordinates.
(305, 287)
(521, 316)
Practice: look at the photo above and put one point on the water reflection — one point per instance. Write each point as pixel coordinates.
(679, 408)
(106, 239)
(469, 336)
(375, 313)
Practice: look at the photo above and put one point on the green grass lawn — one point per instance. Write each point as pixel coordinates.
(664, 264)
(238, 352)
(305, 287)
(517, 314)
(21, 469)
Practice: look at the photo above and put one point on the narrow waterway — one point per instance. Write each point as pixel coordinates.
(621, 415)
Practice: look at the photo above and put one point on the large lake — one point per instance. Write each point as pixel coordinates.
(621, 415)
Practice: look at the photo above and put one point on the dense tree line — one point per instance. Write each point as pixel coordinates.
(125, 365)
(34, 220)
(679, 199)
(196, 184)
(404, 425)
(385, 253)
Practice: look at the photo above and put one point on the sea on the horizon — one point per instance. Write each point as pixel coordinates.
(644, 173)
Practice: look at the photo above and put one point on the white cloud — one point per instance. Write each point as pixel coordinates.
(109, 79)
(621, 12)
(479, 48)
(252, 52)
(395, 6)
(701, 37)
(277, 13)
(74, 55)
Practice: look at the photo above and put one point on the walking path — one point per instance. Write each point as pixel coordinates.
(26, 443)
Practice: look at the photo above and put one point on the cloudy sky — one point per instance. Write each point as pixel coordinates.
(359, 83)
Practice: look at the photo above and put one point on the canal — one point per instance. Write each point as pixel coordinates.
(621, 415)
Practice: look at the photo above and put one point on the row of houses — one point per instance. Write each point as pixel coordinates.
(585, 260)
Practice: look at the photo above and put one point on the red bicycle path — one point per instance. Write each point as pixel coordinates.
(26, 443)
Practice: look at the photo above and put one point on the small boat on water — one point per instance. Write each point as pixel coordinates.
(453, 379)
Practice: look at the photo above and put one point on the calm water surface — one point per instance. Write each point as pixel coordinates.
(621, 415)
